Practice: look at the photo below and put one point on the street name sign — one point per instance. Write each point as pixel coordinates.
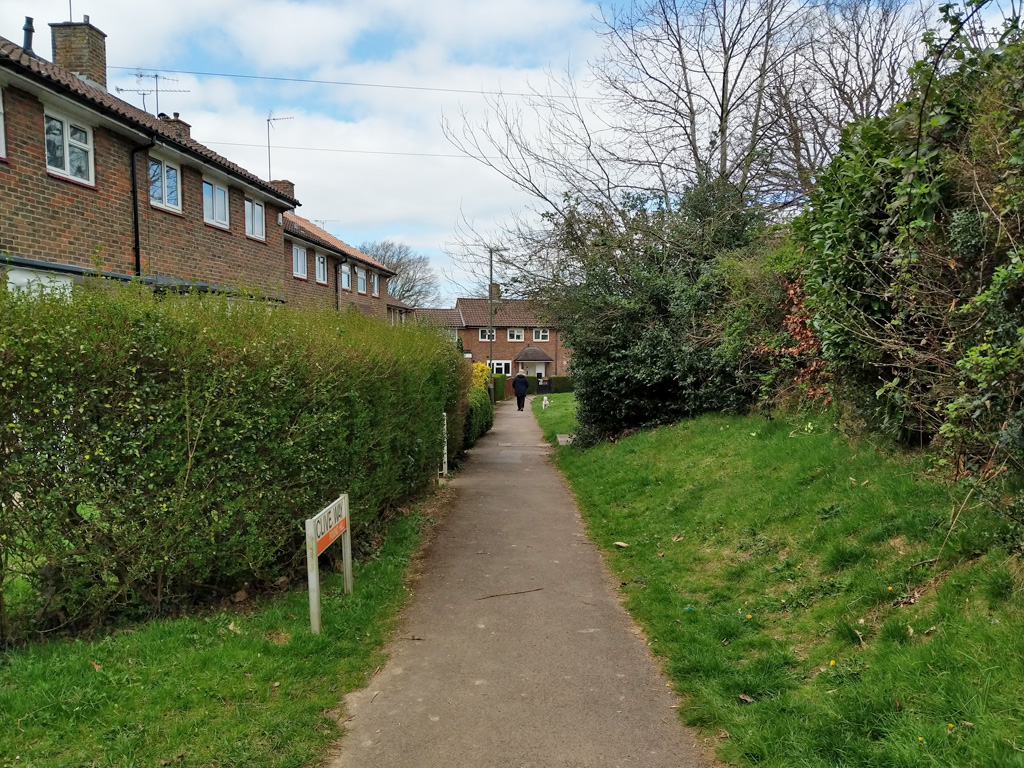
(323, 530)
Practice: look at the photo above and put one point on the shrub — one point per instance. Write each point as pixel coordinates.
(481, 375)
(499, 386)
(480, 417)
(560, 384)
(156, 451)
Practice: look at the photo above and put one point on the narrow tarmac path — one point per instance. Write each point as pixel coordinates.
(514, 651)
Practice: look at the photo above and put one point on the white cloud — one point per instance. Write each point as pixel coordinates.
(460, 44)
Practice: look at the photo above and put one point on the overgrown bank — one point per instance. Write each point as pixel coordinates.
(778, 571)
(158, 451)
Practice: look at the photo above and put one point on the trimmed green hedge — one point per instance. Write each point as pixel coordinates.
(560, 384)
(157, 451)
(480, 417)
(499, 386)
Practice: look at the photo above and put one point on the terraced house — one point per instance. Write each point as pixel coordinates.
(91, 184)
(519, 335)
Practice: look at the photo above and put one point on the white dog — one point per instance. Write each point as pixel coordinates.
(545, 404)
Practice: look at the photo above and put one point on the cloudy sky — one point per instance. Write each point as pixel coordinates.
(343, 144)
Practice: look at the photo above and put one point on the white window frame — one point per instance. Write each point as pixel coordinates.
(488, 334)
(541, 334)
(217, 186)
(3, 132)
(89, 147)
(501, 366)
(164, 165)
(516, 334)
(321, 269)
(374, 284)
(360, 280)
(255, 223)
(345, 282)
(299, 262)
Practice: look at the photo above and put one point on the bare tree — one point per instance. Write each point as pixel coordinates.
(415, 281)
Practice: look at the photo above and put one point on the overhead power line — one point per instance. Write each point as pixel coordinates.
(347, 151)
(236, 76)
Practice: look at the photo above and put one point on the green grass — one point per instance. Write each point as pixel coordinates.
(249, 688)
(760, 552)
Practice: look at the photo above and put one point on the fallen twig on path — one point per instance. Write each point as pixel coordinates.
(506, 594)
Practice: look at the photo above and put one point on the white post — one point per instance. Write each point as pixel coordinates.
(444, 457)
(313, 572)
(346, 550)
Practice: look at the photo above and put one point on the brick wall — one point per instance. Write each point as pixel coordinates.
(507, 350)
(310, 293)
(52, 219)
(49, 218)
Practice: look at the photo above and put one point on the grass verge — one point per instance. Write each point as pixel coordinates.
(772, 567)
(231, 688)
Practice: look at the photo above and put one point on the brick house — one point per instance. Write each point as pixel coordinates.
(91, 184)
(523, 339)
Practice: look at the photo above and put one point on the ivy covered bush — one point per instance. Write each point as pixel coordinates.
(158, 451)
(914, 263)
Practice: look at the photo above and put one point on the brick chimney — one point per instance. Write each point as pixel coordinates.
(178, 126)
(285, 187)
(81, 48)
(495, 291)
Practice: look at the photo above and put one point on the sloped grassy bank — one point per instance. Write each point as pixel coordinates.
(773, 565)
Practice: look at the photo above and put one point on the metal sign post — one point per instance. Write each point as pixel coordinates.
(322, 531)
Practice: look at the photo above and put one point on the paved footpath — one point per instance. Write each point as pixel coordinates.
(554, 677)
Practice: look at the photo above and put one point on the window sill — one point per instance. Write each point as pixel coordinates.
(71, 180)
(361, 293)
(321, 282)
(257, 239)
(215, 225)
(167, 209)
(300, 277)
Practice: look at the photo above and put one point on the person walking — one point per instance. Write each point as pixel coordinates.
(520, 384)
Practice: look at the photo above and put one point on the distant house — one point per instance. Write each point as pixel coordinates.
(523, 339)
(91, 184)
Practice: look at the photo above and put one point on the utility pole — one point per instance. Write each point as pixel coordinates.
(490, 316)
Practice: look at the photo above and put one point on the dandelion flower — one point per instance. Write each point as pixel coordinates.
(890, 589)
(832, 663)
(801, 565)
(749, 616)
(920, 738)
(950, 726)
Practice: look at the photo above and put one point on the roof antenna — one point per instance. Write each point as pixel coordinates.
(157, 77)
(270, 121)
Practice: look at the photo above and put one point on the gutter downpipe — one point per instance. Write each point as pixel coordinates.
(135, 203)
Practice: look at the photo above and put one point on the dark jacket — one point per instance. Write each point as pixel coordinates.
(520, 384)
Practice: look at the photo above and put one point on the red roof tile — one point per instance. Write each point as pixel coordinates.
(442, 318)
(508, 313)
(14, 58)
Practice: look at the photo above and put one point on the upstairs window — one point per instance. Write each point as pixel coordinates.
(486, 335)
(346, 276)
(68, 148)
(374, 284)
(215, 204)
(361, 279)
(255, 219)
(515, 334)
(540, 334)
(298, 261)
(164, 184)
(321, 269)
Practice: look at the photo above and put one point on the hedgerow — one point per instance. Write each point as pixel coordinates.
(158, 451)
(914, 260)
(480, 417)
